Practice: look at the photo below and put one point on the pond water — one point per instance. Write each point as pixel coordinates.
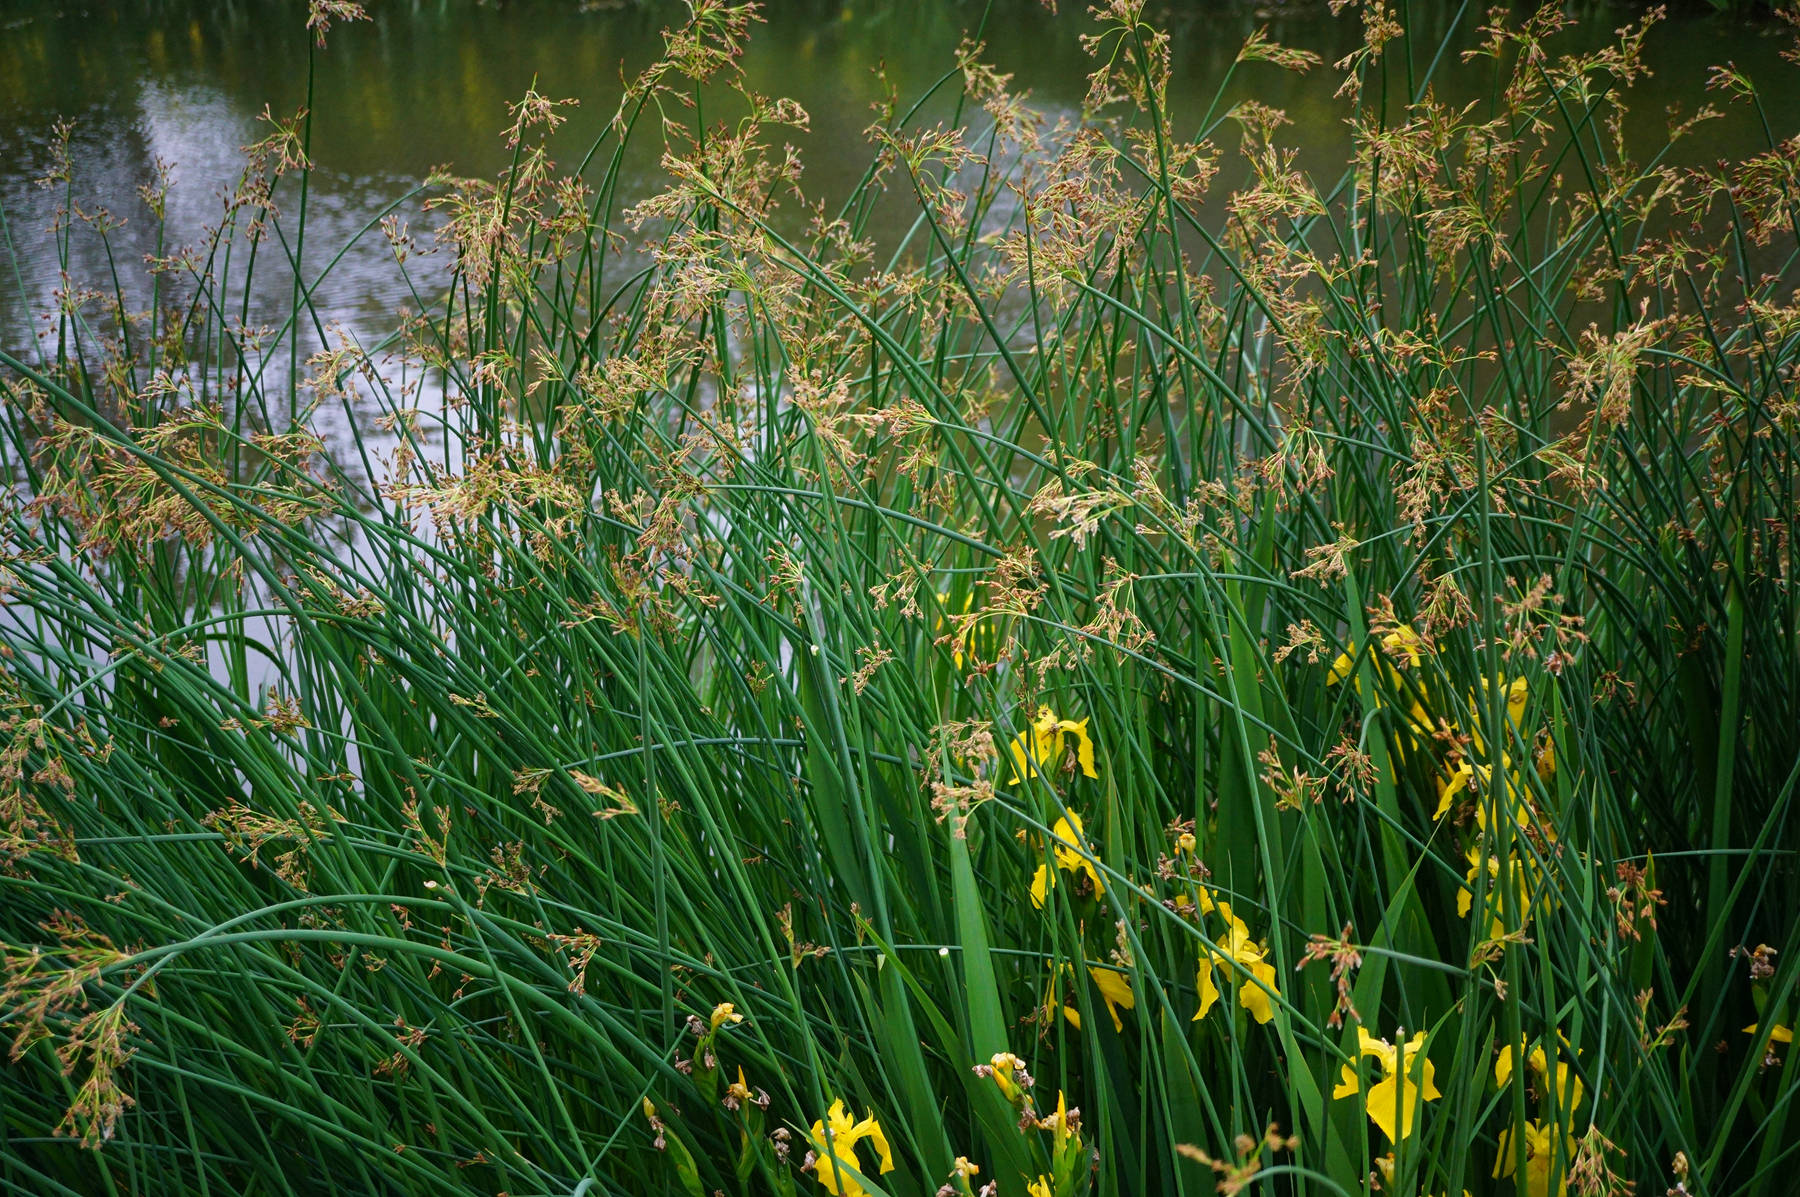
(426, 83)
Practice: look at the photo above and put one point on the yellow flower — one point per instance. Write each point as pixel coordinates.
(834, 1141)
(1209, 904)
(977, 636)
(723, 1013)
(739, 1091)
(1407, 1079)
(1540, 1153)
(1039, 748)
(1067, 849)
(1065, 1127)
(1546, 762)
(1568, 1088)
(1520, 875)
(1069, 1162)
(1777, 1034)
(1517, 692)
(1514, 807)
(1458, 775)
(1115, 990)
(1402, 645)
(1003, 1069)
(1418, 721)
(1401, 642)
(1240, 953)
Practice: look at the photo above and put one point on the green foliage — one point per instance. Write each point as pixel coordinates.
(632, 743)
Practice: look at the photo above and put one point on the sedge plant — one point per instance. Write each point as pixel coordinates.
(1130, 686)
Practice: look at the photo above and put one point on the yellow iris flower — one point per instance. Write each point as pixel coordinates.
(1401, 642)
(1546, 763)
(1114, 988)
(1002, 1068)
(1067, 848)
(1459, 776)
(737, 1094)
(1405, 647)
(1777, 1034)
(1038, 749)
(1517, 692)
(1540, 1153)
(1239, 952)
(1069, 1162)
(834, 1139)
(977, 637)
(1568, 1088)
(1400, 645)
(1407, 1080)
(1521, 875)
(1115, 991)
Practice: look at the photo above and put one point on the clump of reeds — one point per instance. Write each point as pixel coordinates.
(1138, 690)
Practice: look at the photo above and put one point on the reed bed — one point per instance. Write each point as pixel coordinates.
(1132, 687)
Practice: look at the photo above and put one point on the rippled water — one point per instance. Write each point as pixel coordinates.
(426, 85)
